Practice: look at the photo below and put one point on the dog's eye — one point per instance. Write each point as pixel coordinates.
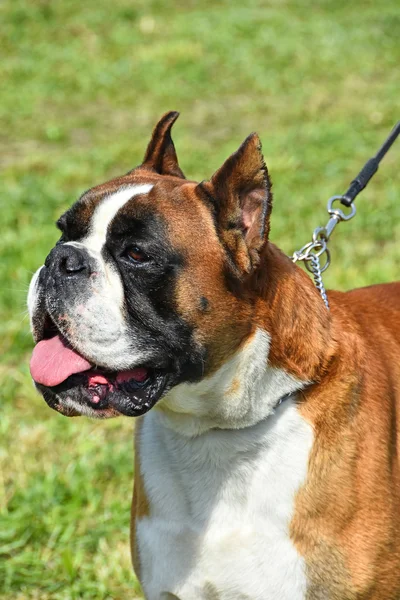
(136, 255)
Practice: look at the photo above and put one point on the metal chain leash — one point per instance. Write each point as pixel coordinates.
(319, 284)
(312, 252)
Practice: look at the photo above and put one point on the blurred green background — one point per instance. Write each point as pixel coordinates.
(83, 85)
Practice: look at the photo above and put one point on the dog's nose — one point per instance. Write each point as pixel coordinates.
(69, 261)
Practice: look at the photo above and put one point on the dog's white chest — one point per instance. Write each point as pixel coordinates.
(220, 509)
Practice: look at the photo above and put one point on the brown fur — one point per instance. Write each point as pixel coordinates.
(349, 506)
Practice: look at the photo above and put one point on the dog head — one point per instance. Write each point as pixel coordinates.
(149, 285)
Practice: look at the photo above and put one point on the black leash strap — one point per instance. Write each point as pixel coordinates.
(369, 169)
(312, 252)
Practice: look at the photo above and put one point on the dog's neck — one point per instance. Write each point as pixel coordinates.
(291, 310)
(289, 348)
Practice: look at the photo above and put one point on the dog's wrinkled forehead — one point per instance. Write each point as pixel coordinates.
(138, 200)
(106, 210)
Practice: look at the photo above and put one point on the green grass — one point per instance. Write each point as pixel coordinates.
(83, 84)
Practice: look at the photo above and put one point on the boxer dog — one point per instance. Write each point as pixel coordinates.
(267, 443)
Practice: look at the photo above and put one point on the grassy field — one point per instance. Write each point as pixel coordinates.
(83, 84)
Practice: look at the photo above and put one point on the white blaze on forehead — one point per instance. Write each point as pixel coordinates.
(106, 211)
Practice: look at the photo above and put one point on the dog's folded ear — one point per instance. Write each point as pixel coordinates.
(160, 154)
(240, 192)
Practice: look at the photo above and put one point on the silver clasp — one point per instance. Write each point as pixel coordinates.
(337, 215)
(311, 253)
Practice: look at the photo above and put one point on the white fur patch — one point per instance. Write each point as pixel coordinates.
(242, 392)
(106, 211)
(33, 294)
(220, 508)
(221, 465)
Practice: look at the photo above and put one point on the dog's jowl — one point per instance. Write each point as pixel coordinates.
(267, 438)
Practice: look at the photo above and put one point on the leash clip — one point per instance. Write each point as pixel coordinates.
(312, 252)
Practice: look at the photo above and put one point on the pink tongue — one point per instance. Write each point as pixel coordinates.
(52, 362)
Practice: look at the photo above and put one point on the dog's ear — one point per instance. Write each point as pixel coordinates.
(240, 192)
(160, 154)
